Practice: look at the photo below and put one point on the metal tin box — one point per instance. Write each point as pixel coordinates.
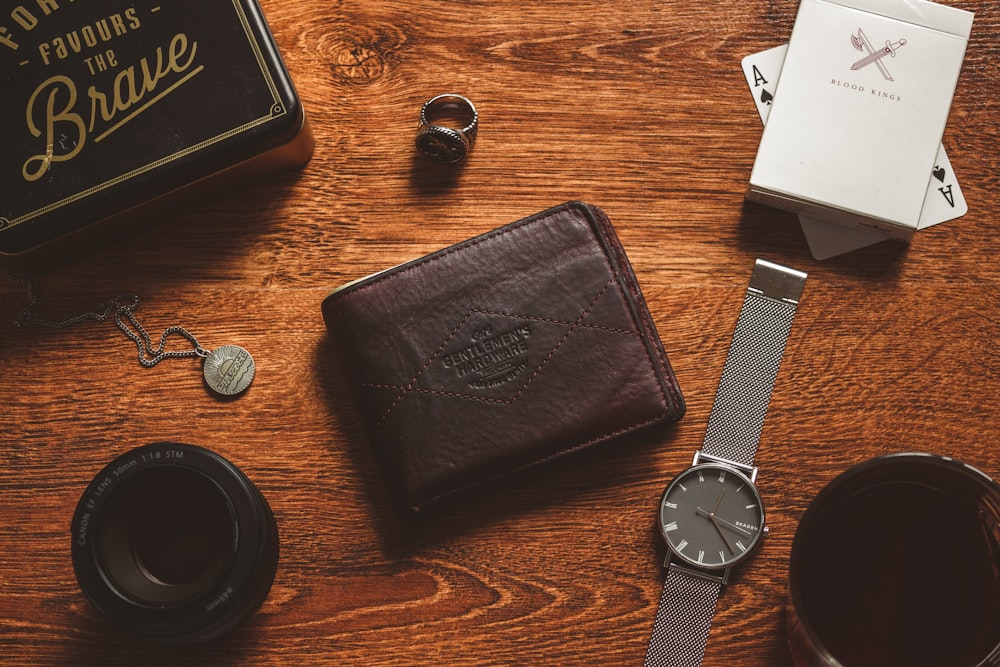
(110, 108)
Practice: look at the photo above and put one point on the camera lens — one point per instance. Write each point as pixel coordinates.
(175, 543)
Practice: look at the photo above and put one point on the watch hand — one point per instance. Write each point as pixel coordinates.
(733, 526)
(718, 502)
(715, 522)
(714, 519)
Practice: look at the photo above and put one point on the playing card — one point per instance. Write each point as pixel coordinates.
(828, 239)
(761, 71)
(943, 201)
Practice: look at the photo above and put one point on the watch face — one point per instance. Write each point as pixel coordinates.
(711, 516)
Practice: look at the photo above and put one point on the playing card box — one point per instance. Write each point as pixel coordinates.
(111, 109)
(857, 118)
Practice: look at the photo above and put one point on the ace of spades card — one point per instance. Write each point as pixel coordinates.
(943, 201)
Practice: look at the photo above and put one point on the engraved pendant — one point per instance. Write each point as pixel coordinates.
(229, 370)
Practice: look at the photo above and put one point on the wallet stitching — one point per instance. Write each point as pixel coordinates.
(649, 359)
(645, 326)
(435, 392)
(616, 330)
(569, 332)
(409, 385)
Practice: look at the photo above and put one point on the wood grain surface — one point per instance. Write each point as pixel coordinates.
(639, 107)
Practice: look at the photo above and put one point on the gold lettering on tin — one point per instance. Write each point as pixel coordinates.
(24, 18)
(27, 19)
(135, 90)
(62, 116)
(89, 36)
(7, 40)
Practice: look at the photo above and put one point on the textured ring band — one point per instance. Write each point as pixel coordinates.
(440, 142)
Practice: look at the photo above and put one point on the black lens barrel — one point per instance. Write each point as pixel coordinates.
(175, 543)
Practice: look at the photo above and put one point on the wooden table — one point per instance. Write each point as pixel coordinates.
(638, 107)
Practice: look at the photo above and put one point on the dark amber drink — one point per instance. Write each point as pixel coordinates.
(897, 562)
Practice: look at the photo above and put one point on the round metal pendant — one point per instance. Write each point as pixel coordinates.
(229, 370)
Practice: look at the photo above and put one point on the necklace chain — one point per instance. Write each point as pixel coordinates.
(120, 309)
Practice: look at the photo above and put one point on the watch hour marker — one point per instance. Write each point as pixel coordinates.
(670, 527)
(739, 545)
(750, 507)
(722, 476)
(701, 556)
(680, 547)
(683, 488)
(701, 476)
(672, 506)
(740, 490)
(722, 557)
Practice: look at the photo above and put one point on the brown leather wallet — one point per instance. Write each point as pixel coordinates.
(501, 352)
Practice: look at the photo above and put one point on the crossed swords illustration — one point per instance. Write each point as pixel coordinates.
(861, 43)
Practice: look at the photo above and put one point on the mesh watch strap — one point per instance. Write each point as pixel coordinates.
(752, 363)
(683, 620)
(687, 605)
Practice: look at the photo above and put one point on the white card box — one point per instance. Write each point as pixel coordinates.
(859, 111)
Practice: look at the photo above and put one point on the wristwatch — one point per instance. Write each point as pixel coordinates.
(711, 515)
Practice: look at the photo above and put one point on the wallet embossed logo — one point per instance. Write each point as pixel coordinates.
(506, 350)
(492, 358)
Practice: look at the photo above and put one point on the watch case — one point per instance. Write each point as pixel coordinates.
(673, 558)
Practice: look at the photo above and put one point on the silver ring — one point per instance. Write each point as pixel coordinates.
(440, 141)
